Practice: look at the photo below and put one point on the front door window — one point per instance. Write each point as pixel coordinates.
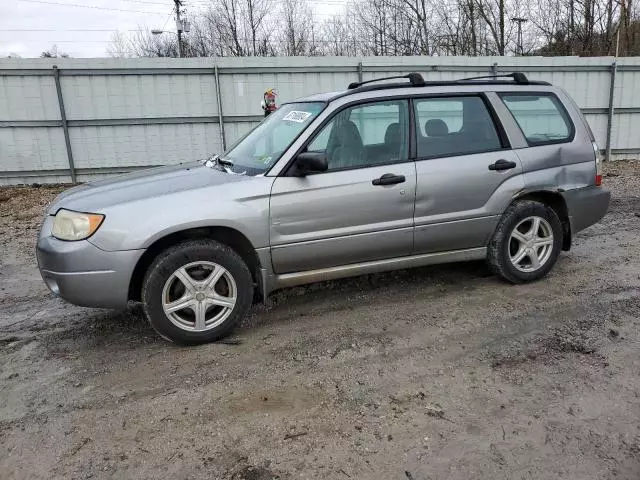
(365, 136)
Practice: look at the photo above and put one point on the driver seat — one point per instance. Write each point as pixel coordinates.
(346, 146)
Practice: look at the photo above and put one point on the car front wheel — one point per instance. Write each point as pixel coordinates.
(196, 292)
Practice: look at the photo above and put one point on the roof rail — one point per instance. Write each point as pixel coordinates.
(518, 77)
(415, 79)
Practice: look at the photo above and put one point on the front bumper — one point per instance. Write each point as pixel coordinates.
(586, 206)
(82, 274)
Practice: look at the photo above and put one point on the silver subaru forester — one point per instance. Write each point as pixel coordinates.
(391, 173)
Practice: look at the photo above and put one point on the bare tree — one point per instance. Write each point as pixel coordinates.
(372, 26)
(494, 15)
(399, 27)
(410, 23)
(225, 19)
(256, 13)
(457, 29)
(144, 44)
(119, 46)
(238, 29)
(338, 37)
(296, 30)
(54, 52)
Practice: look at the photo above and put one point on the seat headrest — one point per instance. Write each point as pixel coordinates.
(349, 134)
(436, 127)
(392, 135)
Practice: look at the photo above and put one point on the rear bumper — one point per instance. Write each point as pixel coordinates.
(586, 206)
(82, 274)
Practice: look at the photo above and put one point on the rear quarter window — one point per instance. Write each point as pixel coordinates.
(541, 117)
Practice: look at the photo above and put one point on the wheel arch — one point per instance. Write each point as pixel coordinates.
(227, 235)
(554, 200)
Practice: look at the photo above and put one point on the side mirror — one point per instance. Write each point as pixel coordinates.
(309, 162)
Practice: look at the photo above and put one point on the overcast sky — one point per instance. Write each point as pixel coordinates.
(28, 27)
(83, 28)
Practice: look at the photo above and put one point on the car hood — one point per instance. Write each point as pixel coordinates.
(160, 181)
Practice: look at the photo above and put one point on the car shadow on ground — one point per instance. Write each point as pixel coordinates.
(446, 278)
(102, 329)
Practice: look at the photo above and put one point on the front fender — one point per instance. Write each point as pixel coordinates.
(138, 224)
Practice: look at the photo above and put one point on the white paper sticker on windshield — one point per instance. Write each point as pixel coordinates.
(296, 116)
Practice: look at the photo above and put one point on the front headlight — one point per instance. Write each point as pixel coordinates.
(69, 225)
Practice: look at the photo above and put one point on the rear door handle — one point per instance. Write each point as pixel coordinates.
(502, 165)
(389, 179)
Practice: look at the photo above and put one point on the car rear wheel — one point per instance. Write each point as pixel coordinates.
(197, 292)
(526, 243)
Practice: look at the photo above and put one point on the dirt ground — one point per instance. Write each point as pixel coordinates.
(434, 373)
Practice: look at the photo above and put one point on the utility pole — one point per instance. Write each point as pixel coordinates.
(519, 47)
(179, 26)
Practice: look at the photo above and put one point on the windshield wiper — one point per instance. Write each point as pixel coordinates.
(213, 161)
(222, 164)
(216, 161)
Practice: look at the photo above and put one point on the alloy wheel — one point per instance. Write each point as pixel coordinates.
(199, 296)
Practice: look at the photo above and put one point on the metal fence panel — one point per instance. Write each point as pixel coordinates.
(28, 98)
(598, 124)
(236, 130)
(588, 89)
(142, 145)
(242, 92)
(130, 113)
(32, 149)
(139, 96)
(625, 132)
(628, 83)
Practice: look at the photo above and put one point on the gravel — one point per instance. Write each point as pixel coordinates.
(433, 373)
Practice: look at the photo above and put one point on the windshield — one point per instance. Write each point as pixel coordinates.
(263, 146)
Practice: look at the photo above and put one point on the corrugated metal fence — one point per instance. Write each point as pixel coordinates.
(81, 119)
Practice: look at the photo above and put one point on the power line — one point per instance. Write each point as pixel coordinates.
(191, 3)
(148, 3)
(70, 30)
(168, 17)
(65, 41)
(207, 3)
(77, 5)
(242, 39)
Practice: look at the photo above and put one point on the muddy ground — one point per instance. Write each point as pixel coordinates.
(434, 373)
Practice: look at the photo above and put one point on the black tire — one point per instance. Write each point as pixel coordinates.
(178, 256)
(498, 252)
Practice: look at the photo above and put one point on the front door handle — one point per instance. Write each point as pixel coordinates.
(389, 179)
(502, 165)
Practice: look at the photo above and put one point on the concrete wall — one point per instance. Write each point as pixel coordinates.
(123, 114)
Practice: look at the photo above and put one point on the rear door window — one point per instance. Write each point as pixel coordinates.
(541, 117)
(448, 126)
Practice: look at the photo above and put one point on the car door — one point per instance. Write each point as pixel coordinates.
(361, 208)
(466, 173)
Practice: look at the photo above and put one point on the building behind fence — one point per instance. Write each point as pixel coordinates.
(65, 120)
